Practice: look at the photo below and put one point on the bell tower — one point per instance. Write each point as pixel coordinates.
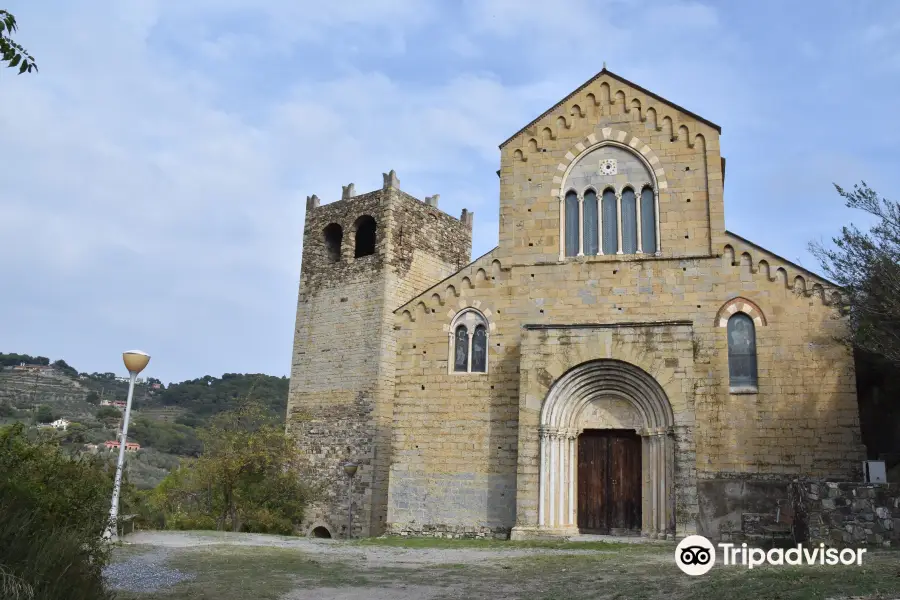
(363, 256)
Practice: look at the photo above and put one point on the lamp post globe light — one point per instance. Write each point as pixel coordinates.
(135, 361)
(350, 469)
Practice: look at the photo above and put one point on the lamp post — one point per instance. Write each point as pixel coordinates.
(135, 361)
(350, 470)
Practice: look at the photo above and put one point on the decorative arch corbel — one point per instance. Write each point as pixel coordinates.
(743, 305)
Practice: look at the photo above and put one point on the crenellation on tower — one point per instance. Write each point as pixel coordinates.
(390, 180)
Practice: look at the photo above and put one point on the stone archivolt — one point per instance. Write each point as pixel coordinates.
(561, 424)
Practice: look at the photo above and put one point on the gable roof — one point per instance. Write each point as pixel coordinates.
(622, 80)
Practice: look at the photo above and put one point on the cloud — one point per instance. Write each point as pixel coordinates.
(155, 170)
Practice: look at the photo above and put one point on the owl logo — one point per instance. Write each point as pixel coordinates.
(608, 166)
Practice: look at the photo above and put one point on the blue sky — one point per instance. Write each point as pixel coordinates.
(154, 172)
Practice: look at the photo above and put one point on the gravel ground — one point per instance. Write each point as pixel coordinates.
(144, 573)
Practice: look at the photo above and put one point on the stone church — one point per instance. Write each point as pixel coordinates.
(620, 363)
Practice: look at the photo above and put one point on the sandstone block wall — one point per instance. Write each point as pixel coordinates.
(682, 149)
(802, 419)
(342, 376)
(454, 454)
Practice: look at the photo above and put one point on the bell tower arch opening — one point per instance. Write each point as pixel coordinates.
(607, 448)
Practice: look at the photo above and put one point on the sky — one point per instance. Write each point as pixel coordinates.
(155, 170)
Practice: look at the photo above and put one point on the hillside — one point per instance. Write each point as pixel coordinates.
(164, 419)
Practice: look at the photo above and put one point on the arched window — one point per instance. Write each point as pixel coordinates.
(461, 350)
(571, 224)
(648, 221)
(741, 352)
(629, 222)
(468, 350)
(479, 349)
(609, 222)
(365, 236)
(591, 241)
(608, 203)
(334, 236)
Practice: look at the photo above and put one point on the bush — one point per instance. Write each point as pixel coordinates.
(54, 511)
(45, 414)
(105, 413)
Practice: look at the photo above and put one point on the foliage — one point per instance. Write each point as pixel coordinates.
(92, 398)
(209, 395)
(54, 511)
(103, 376)
(12, 52)
(108, 413)
(171, 438)
(63, 367)
(12, 360)
(45, 414)
(867, 267)
(246, 479)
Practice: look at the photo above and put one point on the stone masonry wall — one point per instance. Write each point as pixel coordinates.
(846, 514)
(463, 445)
(342, 377)
(664, 351)
(681, 148)
(801, 421)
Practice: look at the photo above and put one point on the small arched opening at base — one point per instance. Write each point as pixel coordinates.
(321, 532)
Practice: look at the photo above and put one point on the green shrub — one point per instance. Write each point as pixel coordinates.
(53, 509)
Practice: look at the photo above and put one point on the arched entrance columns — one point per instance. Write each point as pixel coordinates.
(560, 425)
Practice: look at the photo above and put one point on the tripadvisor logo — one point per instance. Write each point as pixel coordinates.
(696, 555)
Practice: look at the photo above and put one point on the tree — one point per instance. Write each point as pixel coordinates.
(92, 398)
(867, 267)
(247, 478)
(108, 413)
(44, 414)
(54, 511)
(63, 367)
(11, 52)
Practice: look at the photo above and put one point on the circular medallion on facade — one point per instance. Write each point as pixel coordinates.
(608, 166)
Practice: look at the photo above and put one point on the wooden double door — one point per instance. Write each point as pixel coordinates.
(609, 482)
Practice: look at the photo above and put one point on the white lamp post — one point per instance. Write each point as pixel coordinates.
(135, 361)
(350, 469)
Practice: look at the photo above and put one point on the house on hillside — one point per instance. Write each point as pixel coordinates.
(129, 446)
(61, 424)
(32, 368)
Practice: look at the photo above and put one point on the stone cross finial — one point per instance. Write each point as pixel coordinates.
(467, 217)
(390, 180)
(432, 200)
(312, 202)
(348, 191)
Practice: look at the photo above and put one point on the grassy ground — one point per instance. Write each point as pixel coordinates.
(486, 544)
(478, 570)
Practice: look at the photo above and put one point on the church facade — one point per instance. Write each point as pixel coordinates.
(620, 363)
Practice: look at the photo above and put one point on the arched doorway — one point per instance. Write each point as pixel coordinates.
(606, 452)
